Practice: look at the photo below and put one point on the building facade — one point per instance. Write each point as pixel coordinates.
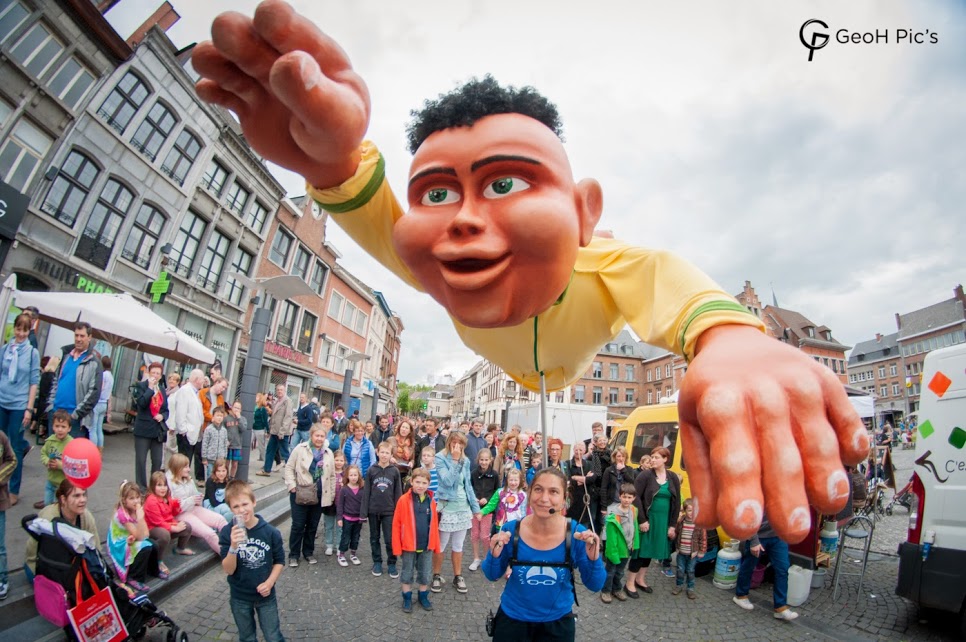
(613, 380)
(875, 366)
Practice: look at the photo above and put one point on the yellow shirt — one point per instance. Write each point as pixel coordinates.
(667, 301)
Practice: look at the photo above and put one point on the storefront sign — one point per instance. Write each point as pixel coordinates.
(13, 206)
(283, 351)
(61, 273)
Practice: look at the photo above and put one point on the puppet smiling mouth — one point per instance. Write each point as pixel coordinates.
(473, 273)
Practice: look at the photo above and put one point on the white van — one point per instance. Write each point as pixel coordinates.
(932, 562)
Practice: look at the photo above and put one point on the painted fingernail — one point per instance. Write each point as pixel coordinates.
(748, 514)
(311, 74)
(799, 519)
(838, 485)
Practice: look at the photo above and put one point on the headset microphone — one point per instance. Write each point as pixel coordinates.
(553, 511)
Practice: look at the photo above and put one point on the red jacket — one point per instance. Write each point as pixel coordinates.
(160, 514)
(404, 525)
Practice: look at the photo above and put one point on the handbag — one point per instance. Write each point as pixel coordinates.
(306, 495)
(51, 601)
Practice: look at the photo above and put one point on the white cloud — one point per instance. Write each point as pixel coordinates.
(840, 180)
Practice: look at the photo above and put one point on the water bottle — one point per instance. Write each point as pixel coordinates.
(239, 521)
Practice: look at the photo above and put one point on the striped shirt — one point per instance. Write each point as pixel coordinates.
(687, 534)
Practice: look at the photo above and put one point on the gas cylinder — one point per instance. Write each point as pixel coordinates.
(727, 565)
(829, 537)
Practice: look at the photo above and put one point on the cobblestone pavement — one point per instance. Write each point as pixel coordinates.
(325, 601)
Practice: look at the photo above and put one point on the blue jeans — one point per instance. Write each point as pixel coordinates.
(305, 527)
(418, 566)
(97, 423)
(50, 493)
(333, 532)
(244, 610)
(11, 422)
(3, 547)
(777, 552)
(298, 437)
(275, 443)
(614, 581)
(686, 565)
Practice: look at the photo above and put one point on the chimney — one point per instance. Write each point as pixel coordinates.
(898, 322)
(878, 338)
(958, 293)
(164, 18)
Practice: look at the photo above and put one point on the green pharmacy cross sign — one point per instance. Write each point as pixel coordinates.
(159, 289)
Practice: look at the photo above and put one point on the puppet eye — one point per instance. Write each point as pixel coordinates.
(503, 186)
(440, 196)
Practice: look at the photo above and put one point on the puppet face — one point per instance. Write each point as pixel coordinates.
(495, 220)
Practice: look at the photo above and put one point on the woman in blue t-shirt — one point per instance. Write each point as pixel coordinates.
(538, 599)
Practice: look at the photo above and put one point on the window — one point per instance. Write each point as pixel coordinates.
(237, 199)
(37, 50)
(154, 130)
(242, 264)
(186, 243)
(842, 366)
(881, 372)
(648, 375)
(213, 262)
(340, 363)
(326, 354)
(181, 157)
(598, 395)
(667, 370)
(300, 266)
(281, 245)
(70, 188)
(559, 397)
(578, 394)
(286, 324)
(668, 391)
(657, 373)
(348, 313)
(614, 371)
(361, 319)
(628, 395)
(11, 17)
(257, 217)
(5, 111)
(21, 155)
(883, 390)
(895, 390)
(628, 373)
(892, 370)
(307, 333)
(126, 98)
(647, 437)
(835, 368)
(143, 238)
(650, 397)
(825, 360)
(214, 178)
(612, 395)
(318, 277)
(97, 242)
(598, 370)
(335, 305)
(852, 378)
(71, 82)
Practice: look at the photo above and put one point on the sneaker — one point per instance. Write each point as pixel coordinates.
(342, 560)
(262, 473)
(668, 572)
(424, 601)
(677, 589)
(293, 562)
(606, 598)
(4, 589)
(311, 559)
(140, 587)
(393, 573)
(354, 559)
(460, 584)
(786, 614)
(475, 565)
(437, 585)
(328, 550)
(408, 602)
(693, 596)
(619, 595)
(745, 603)
(377, 569)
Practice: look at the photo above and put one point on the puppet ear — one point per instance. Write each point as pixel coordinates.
(590, 205)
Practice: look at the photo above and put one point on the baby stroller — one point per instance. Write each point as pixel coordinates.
(903, 497)
(66, 578)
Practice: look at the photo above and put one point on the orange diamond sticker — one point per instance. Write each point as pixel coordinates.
(939, 384)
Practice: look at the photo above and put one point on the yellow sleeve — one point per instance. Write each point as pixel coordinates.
(365, 207)
(666, 300)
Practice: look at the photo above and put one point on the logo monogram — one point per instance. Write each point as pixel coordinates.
(818, 39)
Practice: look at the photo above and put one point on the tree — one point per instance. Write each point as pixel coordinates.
(404, 400)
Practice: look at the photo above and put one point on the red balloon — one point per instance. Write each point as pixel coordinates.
(82, 462)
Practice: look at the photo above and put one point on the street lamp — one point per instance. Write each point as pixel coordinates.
(352, 360)
(280, 287)
(509, 394)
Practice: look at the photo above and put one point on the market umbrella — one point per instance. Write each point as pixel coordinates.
(119, 319)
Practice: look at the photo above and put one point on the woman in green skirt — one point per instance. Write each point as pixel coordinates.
(659, 495)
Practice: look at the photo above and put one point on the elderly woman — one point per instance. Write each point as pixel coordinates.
(310, 479)
(70, 508)
(457, 504)
(19, 378)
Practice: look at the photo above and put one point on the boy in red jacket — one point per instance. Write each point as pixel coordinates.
(415, 537)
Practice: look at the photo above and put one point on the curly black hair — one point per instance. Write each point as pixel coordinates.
(475, 100)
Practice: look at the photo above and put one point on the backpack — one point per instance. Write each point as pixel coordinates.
(568, 562)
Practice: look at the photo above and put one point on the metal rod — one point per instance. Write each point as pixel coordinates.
(543, 418)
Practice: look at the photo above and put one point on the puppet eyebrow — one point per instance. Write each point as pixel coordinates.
(444, 171)
(502, 157)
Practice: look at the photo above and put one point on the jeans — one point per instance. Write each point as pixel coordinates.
(244, 610)
(416, 564)
(350, 536)
(259, 442)
(143, 446)
(333, 532)
(377, 523)
(11, 422)
(686, 565)
(298, 437)
(97, 423)
(275, 444)
(305, 527)
(222, 509)
(3, 547)
(50, 493)
(776, 551)
(615, 575)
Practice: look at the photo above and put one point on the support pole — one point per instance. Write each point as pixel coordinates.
(251, 376)
(543, 418)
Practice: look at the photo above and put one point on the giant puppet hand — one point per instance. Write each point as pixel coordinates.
(764, 427)
(296, 96)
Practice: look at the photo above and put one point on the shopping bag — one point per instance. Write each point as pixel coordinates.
(97, 619)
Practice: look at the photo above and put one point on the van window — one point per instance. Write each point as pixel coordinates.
(619, 441)
(647, 437)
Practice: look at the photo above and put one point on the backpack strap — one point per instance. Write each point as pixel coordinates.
(568, 562)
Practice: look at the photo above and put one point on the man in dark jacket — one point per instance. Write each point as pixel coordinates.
(432, 437)
(304, 418)
(77, 386)
(150, 424)
(475, 440)
(382, 432)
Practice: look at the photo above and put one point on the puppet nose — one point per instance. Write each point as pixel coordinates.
(467, 222)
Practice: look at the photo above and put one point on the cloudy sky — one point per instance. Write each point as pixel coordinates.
(839, 182)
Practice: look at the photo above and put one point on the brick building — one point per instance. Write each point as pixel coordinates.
(875, 366)
(614, 377)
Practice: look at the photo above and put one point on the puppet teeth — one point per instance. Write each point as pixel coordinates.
(799, 519)
(746, 508)
(836, 481)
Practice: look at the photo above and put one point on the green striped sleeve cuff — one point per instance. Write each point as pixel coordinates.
(711, 306)
(363, 197)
